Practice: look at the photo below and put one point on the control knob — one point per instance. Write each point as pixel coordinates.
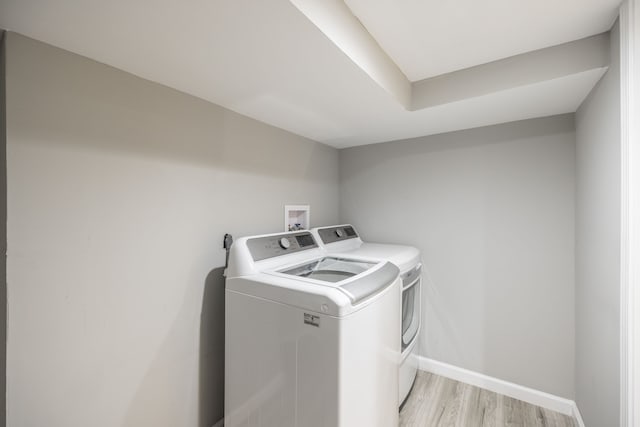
(339, 232)
(285, 243)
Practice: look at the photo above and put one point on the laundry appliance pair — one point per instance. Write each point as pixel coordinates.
(313, 322)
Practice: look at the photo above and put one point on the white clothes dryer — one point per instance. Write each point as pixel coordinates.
(310, 339)
(343, 240)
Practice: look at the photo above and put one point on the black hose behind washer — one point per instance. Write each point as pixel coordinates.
(226, 244)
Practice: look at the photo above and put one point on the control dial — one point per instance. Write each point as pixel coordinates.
(339, 232)
(285, 243)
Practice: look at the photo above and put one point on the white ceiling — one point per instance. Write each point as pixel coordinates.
(428, 38)
(264, 59)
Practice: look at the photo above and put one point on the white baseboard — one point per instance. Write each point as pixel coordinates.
(526, 394)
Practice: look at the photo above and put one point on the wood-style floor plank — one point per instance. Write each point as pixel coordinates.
(436, 401)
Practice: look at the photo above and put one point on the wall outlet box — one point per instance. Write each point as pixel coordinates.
(296, 217)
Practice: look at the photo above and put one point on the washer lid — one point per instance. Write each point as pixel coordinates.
(358, 279)
(329, 269)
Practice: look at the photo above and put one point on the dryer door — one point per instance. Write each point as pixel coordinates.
(410, 312)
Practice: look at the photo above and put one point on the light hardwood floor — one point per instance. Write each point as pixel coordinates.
(440, 402)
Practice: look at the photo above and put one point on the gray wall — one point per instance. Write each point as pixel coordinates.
(3, 238)
(492, 210)
(598, 248)
(119, 193)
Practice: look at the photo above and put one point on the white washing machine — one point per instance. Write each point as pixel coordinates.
(343, 240)
(311, 340)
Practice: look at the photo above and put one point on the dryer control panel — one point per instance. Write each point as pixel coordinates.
(280, 244)
(336, 234)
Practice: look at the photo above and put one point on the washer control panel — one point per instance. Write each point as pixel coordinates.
(280, 244)
(336, 234)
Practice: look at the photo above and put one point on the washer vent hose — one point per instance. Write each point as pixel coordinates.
(226, 244)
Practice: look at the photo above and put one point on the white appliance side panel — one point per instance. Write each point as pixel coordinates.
(279, 371)
(318, 373)
(369, 362)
